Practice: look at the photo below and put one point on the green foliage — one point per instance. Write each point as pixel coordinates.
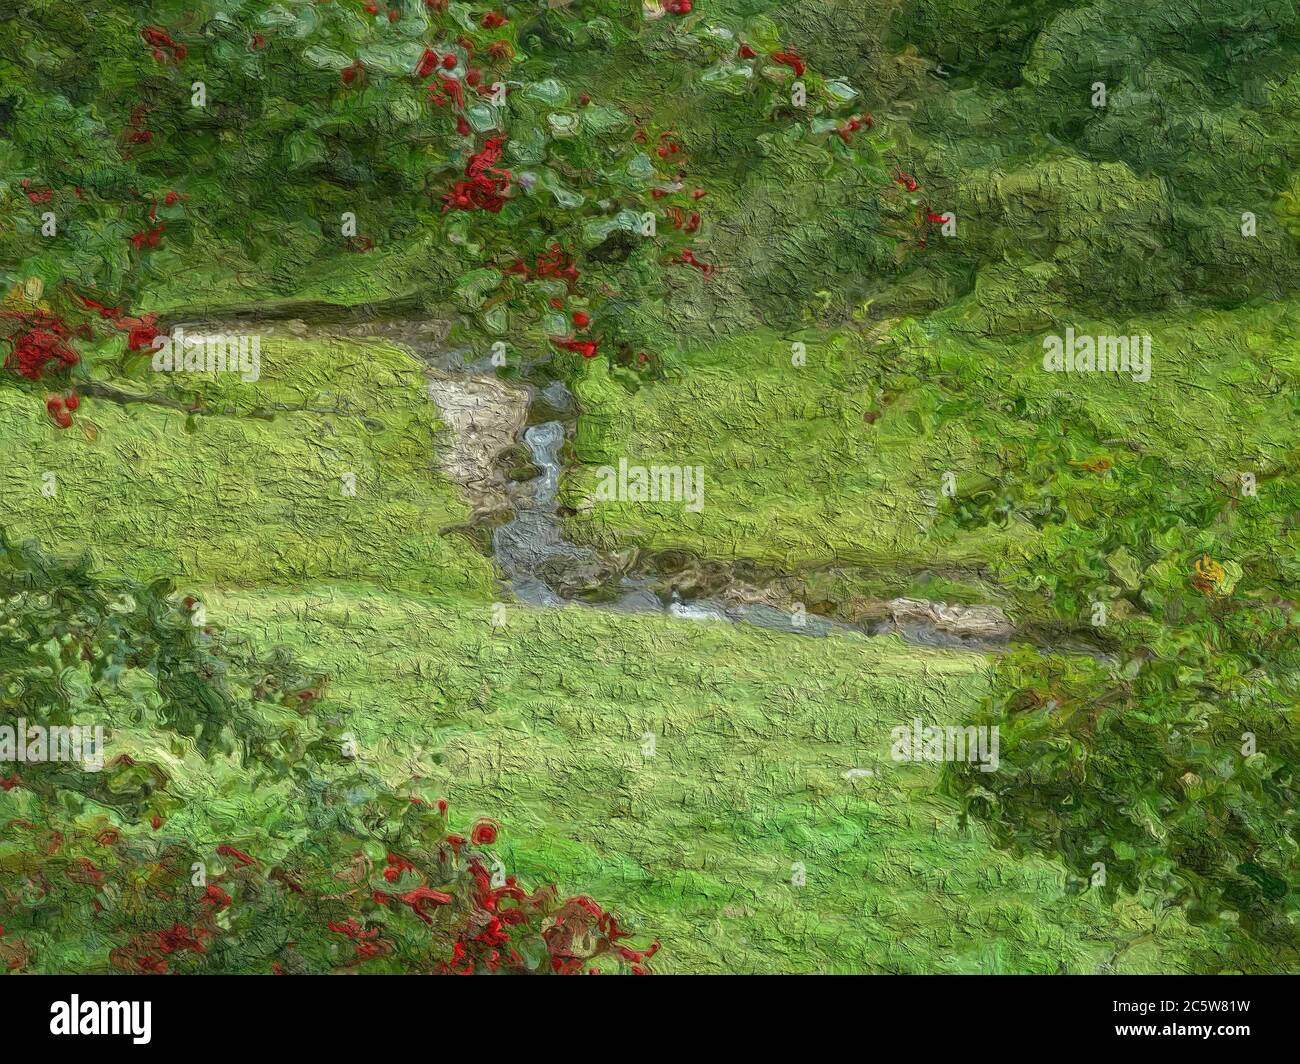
(512, 182)
(111, 863)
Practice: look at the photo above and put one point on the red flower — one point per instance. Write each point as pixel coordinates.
(140, 332)
(492, 20)
(556, 263)
(585, 348)
(147, 237)
(428, 63)
(487, 184)
(687, 258)
(352, 929)
(179, 937)
(396, 866)
(581, 319)
(854, 124)
(42, 344)
(160, 41)
(104, 312)
(421, 896)
(216, 897)
(483, 833)
(242, 860)
(790, 59)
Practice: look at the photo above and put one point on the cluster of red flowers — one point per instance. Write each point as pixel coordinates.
(216, 898)
(147, 238)
(366, 943)
(431, 61)
(853, 125)
(140, 332)
(680, 221)
(41, 196)
(585, 348)
(486, 184)
(60, 408)
(146, 953)
(687, 258)
(44, 340)
(578, 921)
(678, 7)
(162, 44)
(179, 937)
(790, 59)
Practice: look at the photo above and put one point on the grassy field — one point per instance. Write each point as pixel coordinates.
(540, 722)
(233, 499)
(842, 459)
(793, 474)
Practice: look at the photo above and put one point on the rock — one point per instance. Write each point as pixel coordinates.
(484, 417)
(983, 623)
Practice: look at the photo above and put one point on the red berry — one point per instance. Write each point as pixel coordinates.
(73, 401)
(581, 319)
(448, 61)
(393, 15)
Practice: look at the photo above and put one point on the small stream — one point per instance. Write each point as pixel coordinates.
(538, 561)
(540, 564)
